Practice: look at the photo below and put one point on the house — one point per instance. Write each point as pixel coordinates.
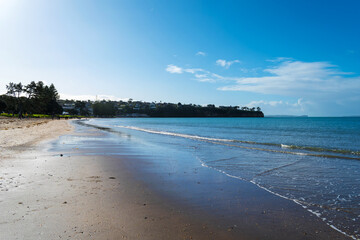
(152, 105)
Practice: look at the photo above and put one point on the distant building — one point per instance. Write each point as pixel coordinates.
(137, 106)
(67, 106)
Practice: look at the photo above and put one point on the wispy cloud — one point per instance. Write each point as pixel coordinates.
(315, 84)
(279, 59)
(282, 107)
(200, 53)
(294, 78)
(288, 78)
(226, 64)
(199, 74)
(174, 69)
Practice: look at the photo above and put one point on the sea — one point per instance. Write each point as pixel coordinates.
(312, 161)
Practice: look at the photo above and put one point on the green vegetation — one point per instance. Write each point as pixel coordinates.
(38, 99)
(147, 109)
(104, 109)
(41, 115)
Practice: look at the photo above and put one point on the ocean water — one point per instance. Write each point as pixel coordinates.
(314, 162)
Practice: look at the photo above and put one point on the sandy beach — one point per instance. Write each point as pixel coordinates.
(54, 187)
(20, 134)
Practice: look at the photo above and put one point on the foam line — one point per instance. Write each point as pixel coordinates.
(225, 142)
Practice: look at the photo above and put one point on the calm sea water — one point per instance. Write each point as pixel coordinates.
(314, 162)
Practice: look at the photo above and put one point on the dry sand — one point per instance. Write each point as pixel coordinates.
(19, 134)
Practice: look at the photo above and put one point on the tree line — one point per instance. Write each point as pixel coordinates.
(38, 98)
(29, 99)
(128, 109)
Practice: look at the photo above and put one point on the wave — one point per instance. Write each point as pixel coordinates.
(312, 151)
(303, 204)
(278, 148)
(306, 148)
(175, 134)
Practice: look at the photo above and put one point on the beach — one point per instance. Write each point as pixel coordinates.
(21, 134)
(64, 180)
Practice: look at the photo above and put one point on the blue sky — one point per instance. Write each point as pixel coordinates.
(288, 57)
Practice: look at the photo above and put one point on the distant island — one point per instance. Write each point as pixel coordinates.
(37, 98)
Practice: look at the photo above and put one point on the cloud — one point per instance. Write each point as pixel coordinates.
(200, 53)
(279, 59)
(200, 75)
(320, 87)
(194, 70)
(288, 78)
(174, 69)
(206, 76)
(91, 97)
(226, 64)
(296, 78)
(298, 107)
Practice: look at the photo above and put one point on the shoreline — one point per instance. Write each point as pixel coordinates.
(124, 194)
(286, 198)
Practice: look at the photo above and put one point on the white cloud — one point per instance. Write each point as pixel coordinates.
(205, 79)
(327, 90)
(200, 53)
(296, 78)
(174, 69)
(288, 78)
(298, 107)
(226, 64)
(200, 75)
(194, 70)
(279, 59)
(299, 103)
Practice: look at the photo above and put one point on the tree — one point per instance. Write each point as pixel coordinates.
(30, 89)
(40, 98)
(81, 106)
(11, 89)
(10, 102)
(105, 109)
(50, 96)
(2, 106)
(18, 89)
(15, 90)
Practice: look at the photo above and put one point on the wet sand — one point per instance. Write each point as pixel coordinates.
(69, 189)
